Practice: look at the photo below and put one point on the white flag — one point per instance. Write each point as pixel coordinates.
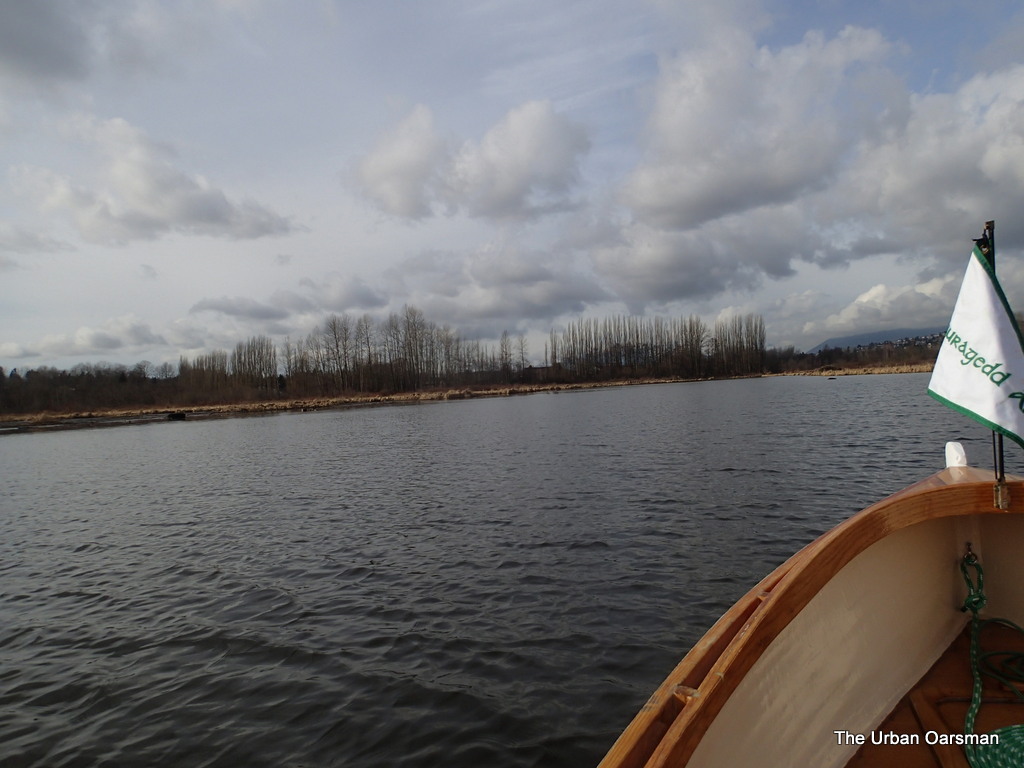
(980, 368)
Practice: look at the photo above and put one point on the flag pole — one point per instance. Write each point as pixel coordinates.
(983, 341)
(988, 238)
(987, 244)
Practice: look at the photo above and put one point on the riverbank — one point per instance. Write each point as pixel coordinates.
(48, 420)
(829, 370)
(109, 417)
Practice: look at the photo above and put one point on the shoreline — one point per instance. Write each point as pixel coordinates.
(109, 417)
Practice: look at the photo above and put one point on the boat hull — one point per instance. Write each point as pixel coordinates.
(833, 638)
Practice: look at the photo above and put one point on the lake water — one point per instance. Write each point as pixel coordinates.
(494, 582)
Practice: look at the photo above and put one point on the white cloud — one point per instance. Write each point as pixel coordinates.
(759, 159)
(664, 156)
(525, 166)
(141, 194)
(799, 305)
(958, 159)
(736, 127)
(495, 287)
(185, 333)
(18, 239)
(125, 334)
(886, 306)
(47, 45)
(401, 173)
(653, 265)
(240, 306)
(10, 350)
(344, 293)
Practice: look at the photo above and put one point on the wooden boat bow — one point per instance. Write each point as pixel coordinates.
(672, 724)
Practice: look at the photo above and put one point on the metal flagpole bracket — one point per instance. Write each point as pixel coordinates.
(1001, 496)
(987, 242)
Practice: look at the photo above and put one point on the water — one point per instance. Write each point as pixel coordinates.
(494, 582)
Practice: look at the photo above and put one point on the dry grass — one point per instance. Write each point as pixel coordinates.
(829, 370)
(111, 416)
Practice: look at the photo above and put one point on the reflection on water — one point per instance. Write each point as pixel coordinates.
(488, 582)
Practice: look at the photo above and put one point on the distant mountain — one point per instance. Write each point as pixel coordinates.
(877, 337)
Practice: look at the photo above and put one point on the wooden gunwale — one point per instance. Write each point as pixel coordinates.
(669, 727)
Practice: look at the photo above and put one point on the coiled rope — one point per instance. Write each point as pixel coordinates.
(1008, 670)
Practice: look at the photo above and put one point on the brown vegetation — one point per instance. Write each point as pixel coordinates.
(409, 359)
(404, 354)
(119, 416)
(855, 370)
(112, 416)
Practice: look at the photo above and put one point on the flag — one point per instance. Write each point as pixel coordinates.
(980, 368)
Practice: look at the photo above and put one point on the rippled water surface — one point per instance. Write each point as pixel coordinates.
(490, 582)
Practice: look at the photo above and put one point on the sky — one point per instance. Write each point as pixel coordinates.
(176, 177)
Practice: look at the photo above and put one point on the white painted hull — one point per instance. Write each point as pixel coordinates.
(835, 637)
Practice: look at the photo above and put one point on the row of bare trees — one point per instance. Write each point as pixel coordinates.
(629, 347)
(402, 352)
(405, 352)
(86, 386)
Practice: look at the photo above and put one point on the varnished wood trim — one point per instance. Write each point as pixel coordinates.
(947, 755)
(718, 662)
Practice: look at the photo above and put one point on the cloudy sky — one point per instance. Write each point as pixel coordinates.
(178, 176)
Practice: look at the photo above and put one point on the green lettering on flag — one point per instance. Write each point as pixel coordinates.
(981, 351)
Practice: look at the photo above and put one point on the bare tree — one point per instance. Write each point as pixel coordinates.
(365, 359)
(338, 341)
(254, 362)
(521, 348)
(505, 357)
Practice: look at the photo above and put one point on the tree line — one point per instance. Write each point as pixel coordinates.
(638, 347)
(905, 352)
(406, 352)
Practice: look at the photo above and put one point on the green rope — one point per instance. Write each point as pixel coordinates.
(1009, 751)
